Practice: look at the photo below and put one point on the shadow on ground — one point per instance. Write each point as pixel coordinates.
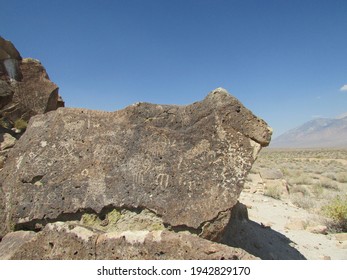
(258, 240)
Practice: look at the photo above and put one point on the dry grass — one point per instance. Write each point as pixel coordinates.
(336, 210)
(314, 177)
(273, 192)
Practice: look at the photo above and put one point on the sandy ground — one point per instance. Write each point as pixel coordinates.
(279, 230)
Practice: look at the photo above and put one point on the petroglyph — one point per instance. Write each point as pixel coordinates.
(187, 164)
(163, 180)
(202, 147)
(138, 178)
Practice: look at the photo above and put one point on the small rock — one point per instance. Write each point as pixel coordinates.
(341, 236)
(104, 222)
(318, 229)
(296, 225)
(16, 130)
(8, 141)
(325, 257)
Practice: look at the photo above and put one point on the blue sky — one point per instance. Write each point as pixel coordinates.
(284, 60)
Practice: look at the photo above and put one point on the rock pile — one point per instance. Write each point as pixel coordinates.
(149, 181)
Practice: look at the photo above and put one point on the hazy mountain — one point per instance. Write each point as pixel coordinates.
(320, 132)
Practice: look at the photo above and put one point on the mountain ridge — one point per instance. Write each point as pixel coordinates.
(316, 133)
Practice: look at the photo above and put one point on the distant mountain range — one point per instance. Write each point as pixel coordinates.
(317, 133)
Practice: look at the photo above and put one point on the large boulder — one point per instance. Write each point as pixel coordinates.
(185, 164)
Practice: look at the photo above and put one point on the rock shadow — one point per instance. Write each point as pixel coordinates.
(256, 239)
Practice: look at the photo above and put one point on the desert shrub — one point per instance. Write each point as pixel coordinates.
(20, 124)
(301, 201)
(337, 212)
(331, 176)
(317, 190)
(286, 171)
(328, 184)
(299, 189)
(318, 171)
(341, 177)
(303, 179)
(273, 192)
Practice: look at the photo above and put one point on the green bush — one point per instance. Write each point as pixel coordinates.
(20, 124)
(337, 212)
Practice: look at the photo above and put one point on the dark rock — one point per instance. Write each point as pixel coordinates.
(187, 164)
(6, 93)
(25, 88)
(25, 91)
(8, 50)
(34, 94)
(9, 60)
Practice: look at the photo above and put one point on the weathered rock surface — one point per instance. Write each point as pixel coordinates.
(12, 242)
(25, 88)
(186, 164)
(25, 91)
(65, 241)
(6, 141)
(9, 58)
(33, 94)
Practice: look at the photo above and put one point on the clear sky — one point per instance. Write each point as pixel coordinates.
(286, 60)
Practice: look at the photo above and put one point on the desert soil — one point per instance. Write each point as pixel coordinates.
(285, 193)
(290, 221)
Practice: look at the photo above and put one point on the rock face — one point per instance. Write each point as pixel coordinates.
(9, 60)
(62, 241)
(25, 88)
(185, 164)
(25, 91)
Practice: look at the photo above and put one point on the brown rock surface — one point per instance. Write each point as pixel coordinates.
(25, 88)
(25, 91)
(8, 50)
(12, 242)
(187, 164)
(33, 94)
(63, 241)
